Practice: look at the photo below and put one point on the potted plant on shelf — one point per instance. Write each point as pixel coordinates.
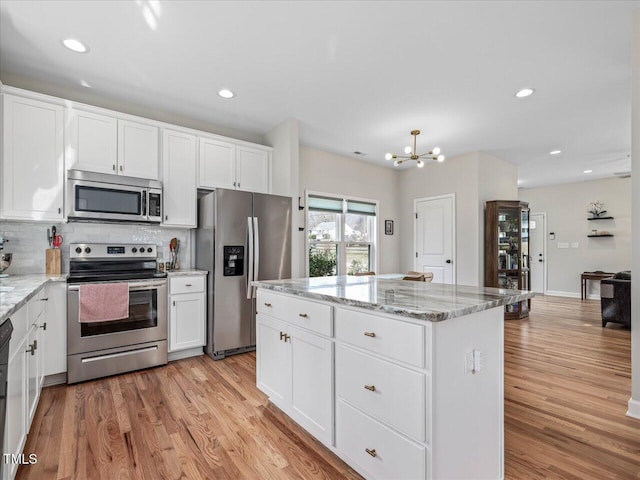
(596, 209)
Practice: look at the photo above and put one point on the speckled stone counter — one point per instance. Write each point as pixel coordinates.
(17, 290)
(420, 300)
(186, 272)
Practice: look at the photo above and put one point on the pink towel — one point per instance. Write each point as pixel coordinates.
(102, 302)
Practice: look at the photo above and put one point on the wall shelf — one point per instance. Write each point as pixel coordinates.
(600, 218)
(605, 235)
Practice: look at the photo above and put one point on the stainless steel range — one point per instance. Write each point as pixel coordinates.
(101, 348)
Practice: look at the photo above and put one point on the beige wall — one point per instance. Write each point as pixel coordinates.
(329, 173)
(474, 178)
(566, 209)
(634, 402)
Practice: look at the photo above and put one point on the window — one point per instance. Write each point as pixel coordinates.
(340, 236)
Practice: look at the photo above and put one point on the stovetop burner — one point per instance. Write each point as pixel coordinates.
(96, 262)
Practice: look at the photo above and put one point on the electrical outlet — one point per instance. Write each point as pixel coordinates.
(473, 361)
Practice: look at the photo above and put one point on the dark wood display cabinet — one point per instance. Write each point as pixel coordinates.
(506, 247)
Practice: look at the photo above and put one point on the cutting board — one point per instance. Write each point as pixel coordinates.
(53, 261)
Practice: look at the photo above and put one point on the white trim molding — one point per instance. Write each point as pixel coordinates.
(557, 293)
(634, 409)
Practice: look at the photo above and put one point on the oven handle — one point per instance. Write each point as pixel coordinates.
(132, 286)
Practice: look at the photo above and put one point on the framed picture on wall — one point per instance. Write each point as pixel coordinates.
(388, 227)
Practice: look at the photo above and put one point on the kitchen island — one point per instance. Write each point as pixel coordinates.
(400, 379)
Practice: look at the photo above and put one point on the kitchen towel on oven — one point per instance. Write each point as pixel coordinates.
(102, 302)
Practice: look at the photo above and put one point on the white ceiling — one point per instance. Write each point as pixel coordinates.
(358, 75)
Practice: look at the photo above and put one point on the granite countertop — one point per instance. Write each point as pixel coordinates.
(17, 290)
(390, 294)
(183, 272)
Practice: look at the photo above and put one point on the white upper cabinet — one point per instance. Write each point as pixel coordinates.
(138, 150)
(217, 164)
(179, 179)
(107, 144)
(32, 160)
(252, 169)
(92, 142)
(237, 167)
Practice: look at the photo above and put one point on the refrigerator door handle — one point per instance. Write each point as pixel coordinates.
(249, 256)
(256, 248)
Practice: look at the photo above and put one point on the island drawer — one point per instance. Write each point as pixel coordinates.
(190, 284)
(296, 311)
(391, 393)
(396, 339)
(378, 450)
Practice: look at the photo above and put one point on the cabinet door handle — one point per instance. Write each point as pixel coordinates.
(282, 335)
(114, 167)
(174, 303)
(166, 217)
(31, 350)
(303, 315)
(267, 305)
(371, 452)
(286, 337)
(188, 285)
(59, 210)
(369, 334)
(234, 184)
(238, 184)
(44, 299)
(44, 326)
(120, 167)
(371, 388)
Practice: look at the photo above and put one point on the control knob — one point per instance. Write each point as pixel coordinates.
(134, 250)
(87, 250)
(149, 250)
(78, 250)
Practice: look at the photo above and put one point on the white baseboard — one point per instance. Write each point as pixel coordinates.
(634, 409)
(189, 352)
(55, 379)
(556, 293)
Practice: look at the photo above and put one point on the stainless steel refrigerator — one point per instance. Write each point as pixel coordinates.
(241, 236)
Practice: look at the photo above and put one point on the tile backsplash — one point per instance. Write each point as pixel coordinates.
(28, 241)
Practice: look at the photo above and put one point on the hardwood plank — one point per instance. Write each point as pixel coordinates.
(567, 383)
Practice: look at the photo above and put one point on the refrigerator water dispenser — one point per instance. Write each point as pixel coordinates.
(233, 261)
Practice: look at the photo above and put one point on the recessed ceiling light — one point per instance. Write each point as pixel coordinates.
(555, 152)
(588, 171)
(226, 93)
(75, 45)
(525, 92)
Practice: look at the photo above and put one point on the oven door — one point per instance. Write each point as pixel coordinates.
(105, 201)
(147, 321)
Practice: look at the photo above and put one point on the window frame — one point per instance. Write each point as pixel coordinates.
(341, 267)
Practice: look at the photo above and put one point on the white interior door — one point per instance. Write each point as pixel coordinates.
(537, 228)
(435, 237)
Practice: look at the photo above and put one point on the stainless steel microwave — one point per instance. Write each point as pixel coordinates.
(104, 197)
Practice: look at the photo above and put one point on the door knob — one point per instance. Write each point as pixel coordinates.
(448, 261)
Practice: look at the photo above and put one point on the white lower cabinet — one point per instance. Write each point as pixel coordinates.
(295, 369)
(405, 405)
(187, 312)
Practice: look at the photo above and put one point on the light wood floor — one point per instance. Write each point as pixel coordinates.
(567, 383)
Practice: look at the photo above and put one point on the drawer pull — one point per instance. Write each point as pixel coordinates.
(188, 285)
(369, 334)
(267, 305)
(371, 452)
(303, 315)
(44, 299)
(371, 388)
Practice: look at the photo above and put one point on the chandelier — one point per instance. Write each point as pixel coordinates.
(413, 155)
